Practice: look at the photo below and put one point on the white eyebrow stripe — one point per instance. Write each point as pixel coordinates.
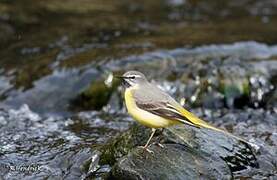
(135, 75)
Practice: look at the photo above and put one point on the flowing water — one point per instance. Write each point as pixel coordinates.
(59, 99)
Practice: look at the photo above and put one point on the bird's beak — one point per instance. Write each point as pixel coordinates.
(124, 81)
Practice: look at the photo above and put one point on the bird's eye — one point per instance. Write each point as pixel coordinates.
(132, 77)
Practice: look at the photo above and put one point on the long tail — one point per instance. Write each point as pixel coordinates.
(200, 123)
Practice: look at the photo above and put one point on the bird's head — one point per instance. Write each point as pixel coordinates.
(132, 78)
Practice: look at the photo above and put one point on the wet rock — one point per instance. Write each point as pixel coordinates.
(65, 84)
(95, 170)
(188, 152)
(175, 161)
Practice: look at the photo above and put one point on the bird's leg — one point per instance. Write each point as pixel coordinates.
(151, 136)
(158, 143)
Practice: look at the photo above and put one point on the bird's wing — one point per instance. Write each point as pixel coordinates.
(165, 110)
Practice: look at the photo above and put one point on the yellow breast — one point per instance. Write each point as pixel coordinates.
(146, 118)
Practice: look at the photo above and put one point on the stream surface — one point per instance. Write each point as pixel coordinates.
(59, 100)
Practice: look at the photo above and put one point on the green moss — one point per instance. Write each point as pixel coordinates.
(236, 92)
(233, 88)
(95, 96)
(121, 145)
(231, 91)
(246, 88)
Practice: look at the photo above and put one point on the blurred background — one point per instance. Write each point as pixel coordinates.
(58, 97)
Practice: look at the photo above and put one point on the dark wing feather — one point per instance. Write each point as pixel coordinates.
(165, 110)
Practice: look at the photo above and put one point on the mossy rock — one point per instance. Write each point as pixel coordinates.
(236, 91)
(95, 96)
(188, 153)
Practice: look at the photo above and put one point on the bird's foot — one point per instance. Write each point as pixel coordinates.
(159, 144)
(146, 149)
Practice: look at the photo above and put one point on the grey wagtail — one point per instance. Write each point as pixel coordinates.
(154, 108)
